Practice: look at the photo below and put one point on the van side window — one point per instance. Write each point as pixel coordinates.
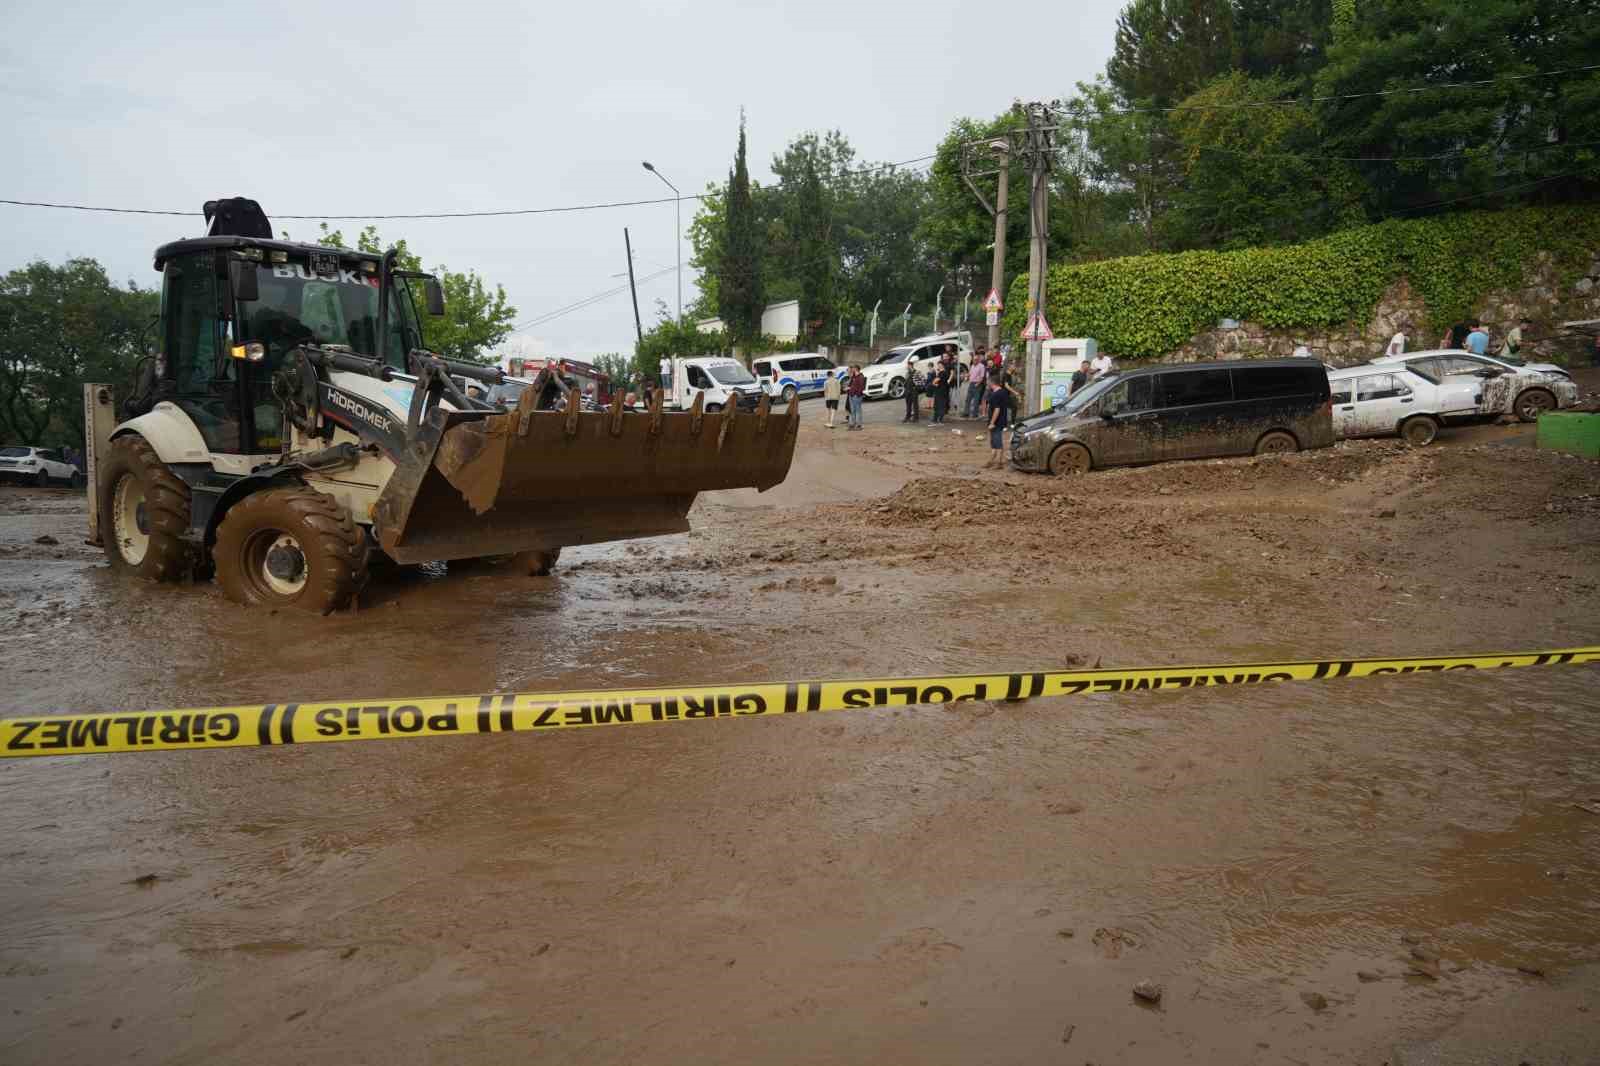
(1266, 382)
(1135, 394)
(1186, 388)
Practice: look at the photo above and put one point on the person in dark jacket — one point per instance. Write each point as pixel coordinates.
(913, 394)
(940, 386)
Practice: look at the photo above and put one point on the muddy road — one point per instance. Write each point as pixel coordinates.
(1353, 872)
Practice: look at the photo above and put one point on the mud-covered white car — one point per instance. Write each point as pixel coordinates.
(36, 466)
(1525, 390)
(1395, 400)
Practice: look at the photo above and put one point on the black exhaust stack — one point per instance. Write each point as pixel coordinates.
(236, 217)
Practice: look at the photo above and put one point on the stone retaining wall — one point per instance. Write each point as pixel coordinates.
(1543, 298)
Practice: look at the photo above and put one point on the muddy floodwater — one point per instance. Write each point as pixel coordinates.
(1395, 869)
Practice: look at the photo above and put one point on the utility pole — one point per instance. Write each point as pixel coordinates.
(972, 164)
(627, 243)
(905, 322)
(938, 307)
(872, 330)
(1039, 152)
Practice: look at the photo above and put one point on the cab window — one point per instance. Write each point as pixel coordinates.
(762, 369)
(698, 378)
(1343, 390)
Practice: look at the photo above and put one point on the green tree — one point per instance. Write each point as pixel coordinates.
(741, 296)
(1531, 139)
(1251, 172)
(813, 224)
(59, 327)
(673, 337)
(621, 369)
(475, 320)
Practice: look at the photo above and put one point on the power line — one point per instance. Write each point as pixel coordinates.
(1059, 108)
(1491, 192)
(416, 216)
(578, 305)
(1507, 149)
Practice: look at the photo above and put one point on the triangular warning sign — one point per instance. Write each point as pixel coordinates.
(1038, 329)
(991, 302)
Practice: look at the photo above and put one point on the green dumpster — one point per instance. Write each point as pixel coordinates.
(1577, 432)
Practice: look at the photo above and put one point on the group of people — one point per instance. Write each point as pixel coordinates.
(988, 394)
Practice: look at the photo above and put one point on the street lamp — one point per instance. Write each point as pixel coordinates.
(677, 207)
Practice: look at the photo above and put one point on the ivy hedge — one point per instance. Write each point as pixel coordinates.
(1144, 307)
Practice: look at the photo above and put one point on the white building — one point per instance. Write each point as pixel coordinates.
(780, 321)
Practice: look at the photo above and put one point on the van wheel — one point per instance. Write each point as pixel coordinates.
(1420, 431)
(42, 480)
(1070, 459)
(897, 389)
(713, 408)
(788, 394)
(1533, 403)
(1277, 443)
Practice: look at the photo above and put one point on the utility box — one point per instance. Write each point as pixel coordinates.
(1573, 432)
(1058, 361)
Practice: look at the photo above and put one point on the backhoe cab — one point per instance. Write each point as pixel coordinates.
(292, 422)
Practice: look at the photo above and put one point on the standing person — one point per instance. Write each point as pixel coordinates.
(1080, 377)
(830, 396)
(1513, 343)
(914, 386)
(1456, 338)
(940, 385)
(1000, 405)
(854, 393)
(1101, 365)
(1478, 339)
(1397, 343)
(975, 383)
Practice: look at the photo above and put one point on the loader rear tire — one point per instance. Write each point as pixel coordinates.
(536, 563)
(144, 508)
(291, 547)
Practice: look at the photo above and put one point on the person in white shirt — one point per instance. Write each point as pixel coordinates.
(1397, 344)
(1101, 365)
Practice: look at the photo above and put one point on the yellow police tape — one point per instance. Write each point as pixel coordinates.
(525, 712)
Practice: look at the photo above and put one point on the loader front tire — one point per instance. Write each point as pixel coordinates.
(145, 510)
(291, 547)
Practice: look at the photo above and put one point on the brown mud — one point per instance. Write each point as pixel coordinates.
(1352, 872)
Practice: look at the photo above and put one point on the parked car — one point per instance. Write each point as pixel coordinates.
(890, 374)
(786, 376)
(1525, 390)
(27, 465)
(1192, 411)
(1385, 401)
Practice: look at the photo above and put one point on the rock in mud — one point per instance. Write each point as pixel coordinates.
(1147, 992)
(1314, 1000)
(46, 539)
(1368, 976)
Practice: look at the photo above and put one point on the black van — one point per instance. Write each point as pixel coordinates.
(1187, 411)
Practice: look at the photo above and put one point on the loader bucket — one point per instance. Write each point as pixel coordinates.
(494, 484)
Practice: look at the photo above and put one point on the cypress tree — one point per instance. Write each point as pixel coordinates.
(740, 295)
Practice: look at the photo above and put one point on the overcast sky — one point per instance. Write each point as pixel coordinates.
(392, 108)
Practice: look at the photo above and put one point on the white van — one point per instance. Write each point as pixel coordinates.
(724, 382)
(802, 374)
